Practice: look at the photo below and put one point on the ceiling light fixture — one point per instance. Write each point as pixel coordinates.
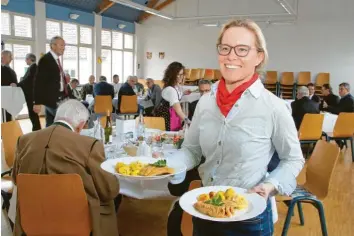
(74, 16)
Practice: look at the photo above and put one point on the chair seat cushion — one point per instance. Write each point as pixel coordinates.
(6, 184)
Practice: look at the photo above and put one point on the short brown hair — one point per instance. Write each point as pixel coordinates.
(256, 30)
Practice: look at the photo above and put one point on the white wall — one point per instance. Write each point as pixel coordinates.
(320, 41)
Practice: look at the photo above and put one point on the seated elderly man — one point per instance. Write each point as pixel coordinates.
(72, 91)
(346, 103)
(153, 94)
(204, 86)
(127, 89)
(60, 149)
(303, 105)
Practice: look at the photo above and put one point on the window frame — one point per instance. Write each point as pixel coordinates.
(12, 36)
(78, 45)
(122, 78)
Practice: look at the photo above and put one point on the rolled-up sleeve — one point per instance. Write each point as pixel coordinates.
(287, 145)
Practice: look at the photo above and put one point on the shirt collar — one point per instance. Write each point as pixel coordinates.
(255, 89)
(65, 123)
(54, 55)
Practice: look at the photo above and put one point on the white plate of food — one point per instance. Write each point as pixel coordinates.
(235, 204)
(143, 168)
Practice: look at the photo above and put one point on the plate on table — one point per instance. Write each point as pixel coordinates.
(255, 204)
(148, 130)
(110, 166)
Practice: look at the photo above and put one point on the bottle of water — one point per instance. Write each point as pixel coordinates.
(141, 127)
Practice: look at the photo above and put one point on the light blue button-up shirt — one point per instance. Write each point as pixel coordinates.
(239, 147)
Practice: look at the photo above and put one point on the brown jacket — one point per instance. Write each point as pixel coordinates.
(58, 150)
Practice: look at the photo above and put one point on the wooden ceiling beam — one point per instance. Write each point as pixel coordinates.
(145, 16)
(104, 6)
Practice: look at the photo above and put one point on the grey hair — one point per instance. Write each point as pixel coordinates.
(345, 85)
(131, 77)
(74, 81)
(54, 40)
(7, 53)
(204, 81)
(67, 74)
(103, 78)
(150, 79)
(303, 91)
(31, 56)
(73, 112)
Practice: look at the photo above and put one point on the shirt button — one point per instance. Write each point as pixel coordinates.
(211, 179)
(218, 162)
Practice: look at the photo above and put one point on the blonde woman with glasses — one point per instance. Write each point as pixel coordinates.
(237, 127)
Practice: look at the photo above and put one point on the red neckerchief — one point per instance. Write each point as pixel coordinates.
(226, 100)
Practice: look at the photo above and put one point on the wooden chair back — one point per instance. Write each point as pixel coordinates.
(322, 78)
(217, 74)
(143, 82)
(287, 78)
(187, 224)
(344, 126)
(129, 104)
(271, 77)
(60, 207)
(103, 104)
(208, 74)
(10, 132)
(304, 78)
(159, 83)
(320, 168)
(153, 122)
(187, 73)
(311, 127)
(195, 74)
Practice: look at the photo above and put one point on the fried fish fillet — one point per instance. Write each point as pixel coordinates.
(226, 210)
(154, 171)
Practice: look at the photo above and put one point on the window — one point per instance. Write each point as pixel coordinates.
(78, 56)
(23, 26)
(117, 54)
(5, 23)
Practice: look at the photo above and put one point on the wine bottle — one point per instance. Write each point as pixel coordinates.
(141, 127)
(108, 129)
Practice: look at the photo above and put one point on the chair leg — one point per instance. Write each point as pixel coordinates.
(288, 218)
(301, 214)
(352, 144)
(321, 213)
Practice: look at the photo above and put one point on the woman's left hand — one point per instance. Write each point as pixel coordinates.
(263, 189)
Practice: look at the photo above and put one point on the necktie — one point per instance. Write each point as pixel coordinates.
(63, 78)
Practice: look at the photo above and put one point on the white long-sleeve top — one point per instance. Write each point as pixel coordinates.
(239, 147)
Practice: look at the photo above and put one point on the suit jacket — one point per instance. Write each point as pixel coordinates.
(66, 152)
(331, 100)
(86, 89)
(191, 109)
(346, 104)
(27, 82)
(315, 98)
(125, 90)
(8, 76)
(155, 95)
(47, 82)
(301, 107)
(140, 88)
(103, 88)
(73, 93)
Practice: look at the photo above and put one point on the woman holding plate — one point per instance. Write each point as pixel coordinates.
(237, 127)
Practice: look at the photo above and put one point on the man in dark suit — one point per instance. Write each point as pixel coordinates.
(313, 96)
(329, 99)
(103, 88)
(60, 149)
(8, 75)
(346, 103)
(127, 90)
(27, 85)
(204, 87)
(50, 87)
(303, 105)
(73, 93)
(153, 94)
(88, 88)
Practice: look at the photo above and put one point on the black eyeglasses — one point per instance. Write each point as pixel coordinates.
(240, 50)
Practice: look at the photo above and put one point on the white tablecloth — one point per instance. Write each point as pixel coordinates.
(12, 99)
